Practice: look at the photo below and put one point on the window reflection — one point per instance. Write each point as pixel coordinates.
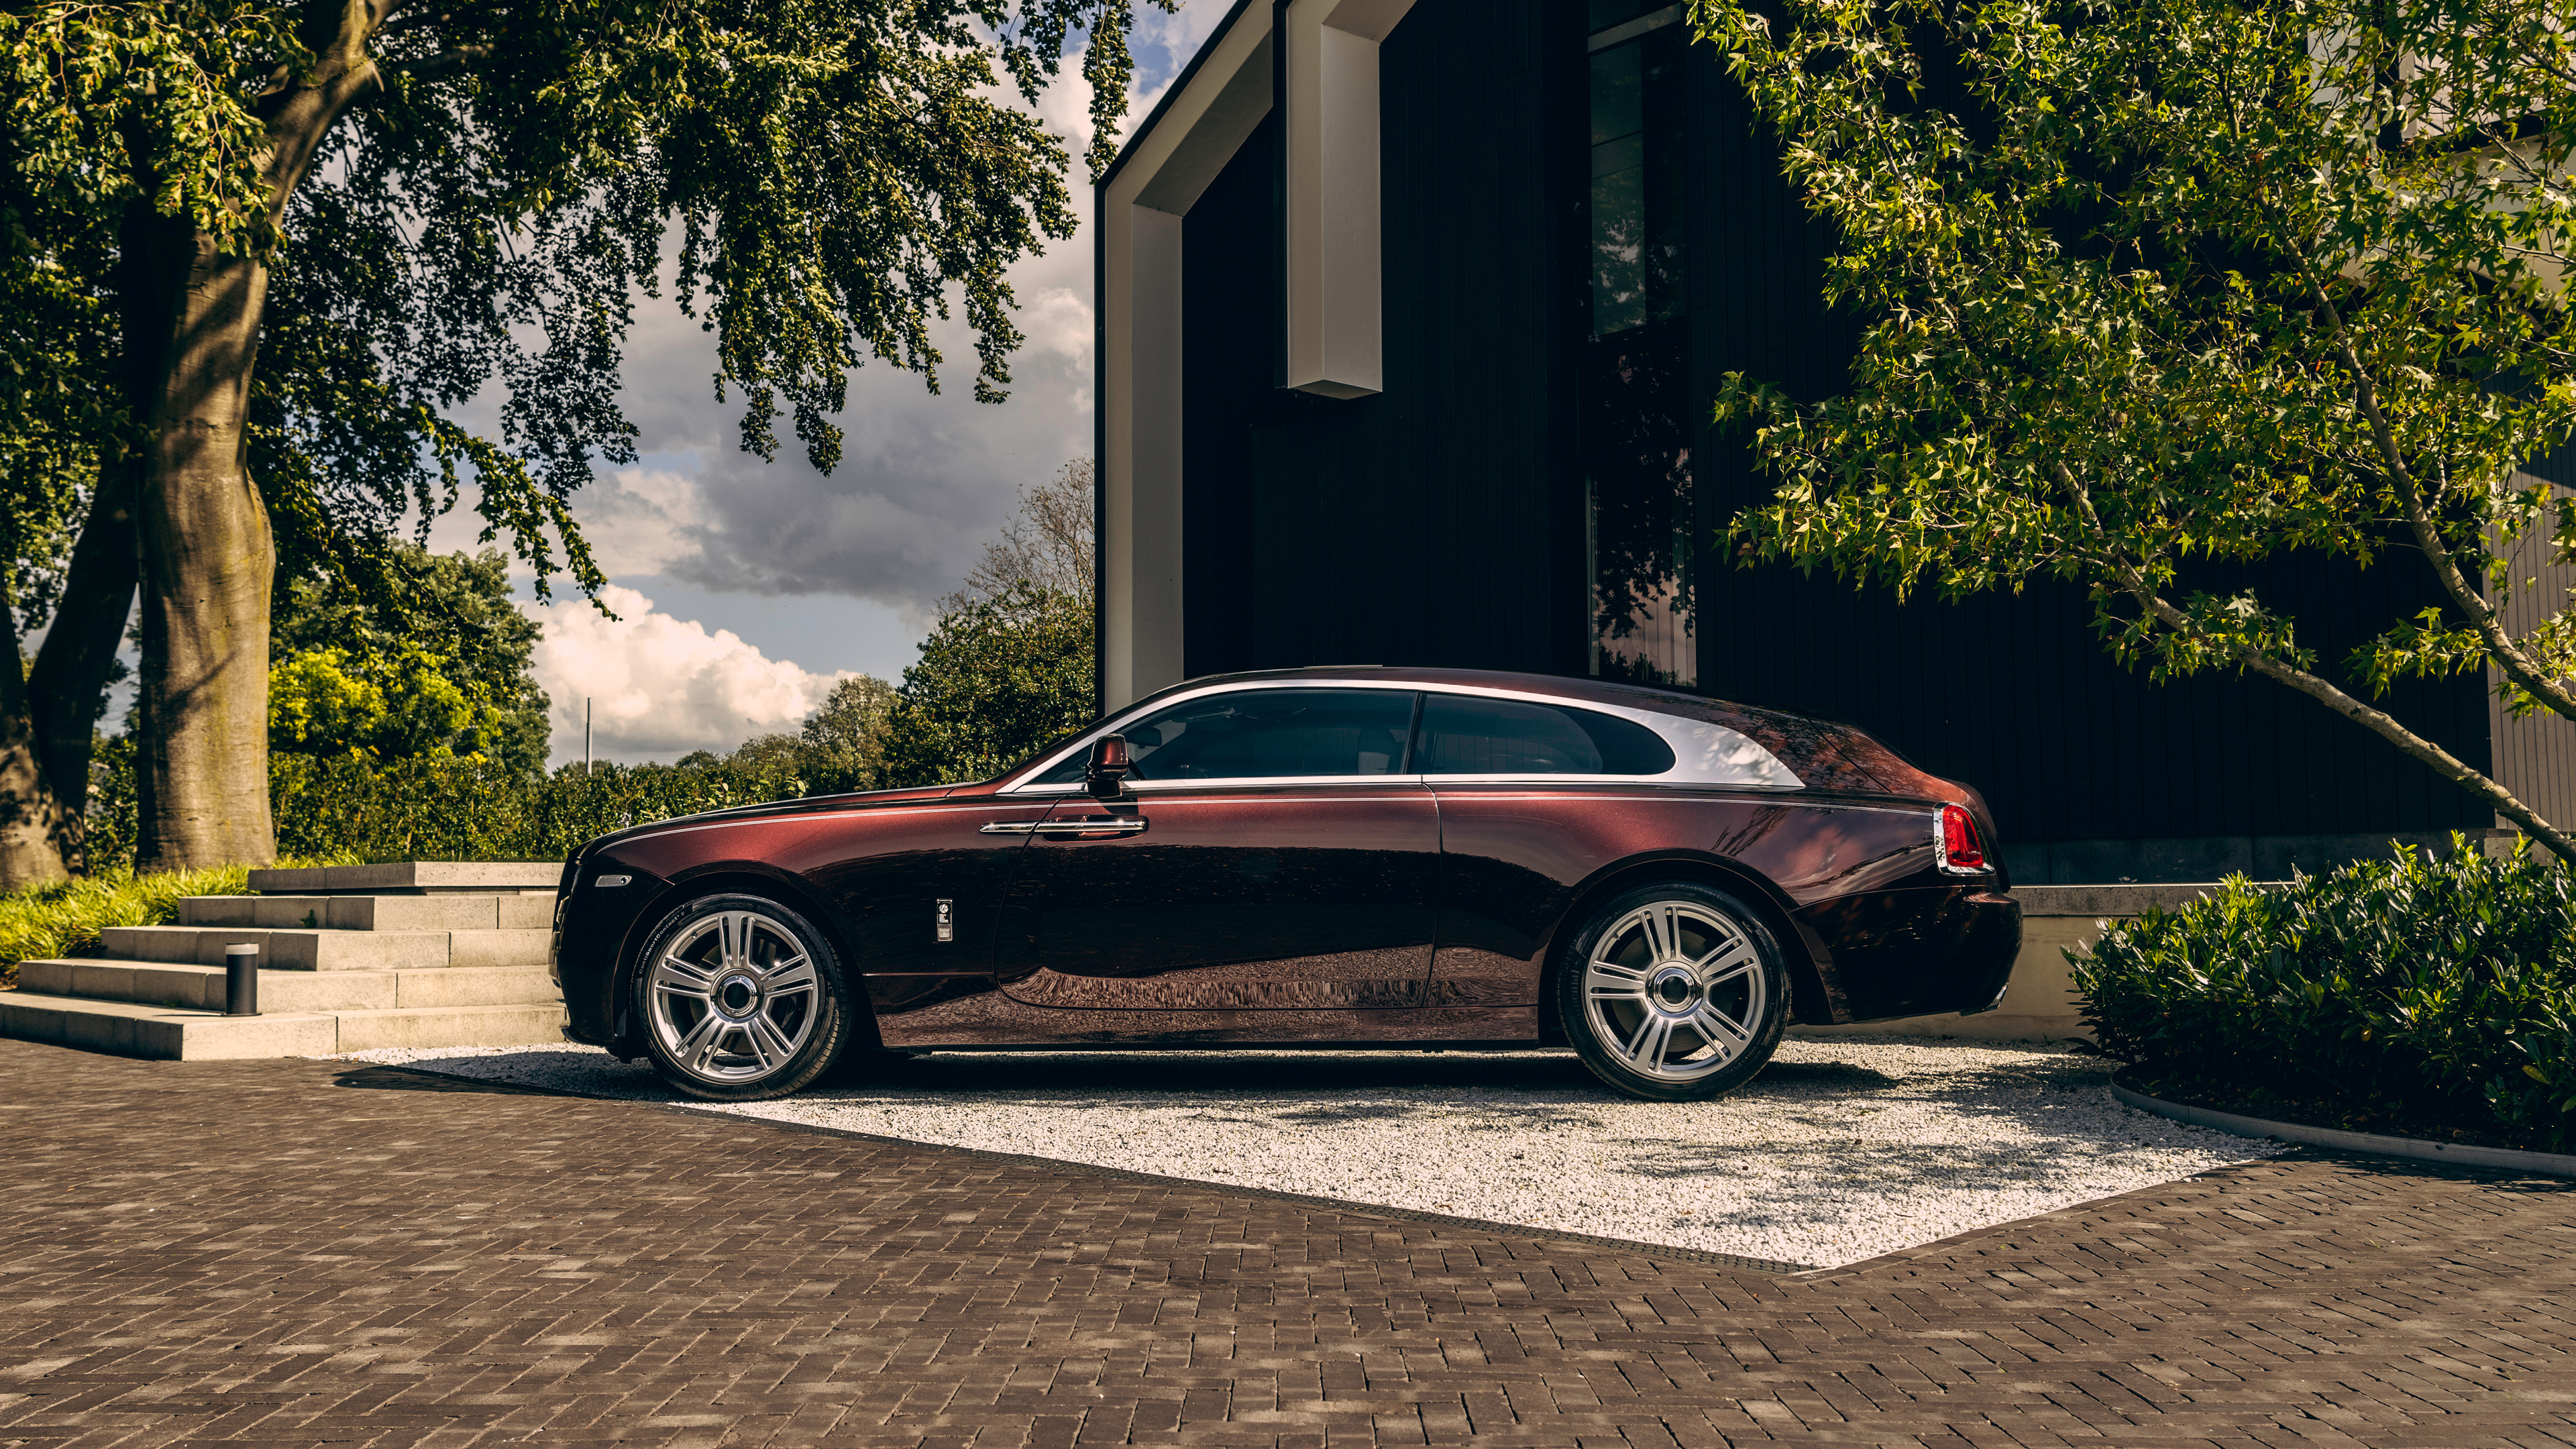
(1639, 518)
(1640, 528)
(1266, 734)
(1637, 131)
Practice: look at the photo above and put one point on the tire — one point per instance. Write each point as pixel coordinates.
(741, 999)
(1674, 992)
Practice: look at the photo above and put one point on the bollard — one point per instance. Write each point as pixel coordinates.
(241, 981)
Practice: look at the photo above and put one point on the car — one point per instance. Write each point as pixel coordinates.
(1346, 857)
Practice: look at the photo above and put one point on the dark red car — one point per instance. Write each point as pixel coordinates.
(1313, 857)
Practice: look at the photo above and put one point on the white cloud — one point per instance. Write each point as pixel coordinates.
(660, 687)
(926, 479)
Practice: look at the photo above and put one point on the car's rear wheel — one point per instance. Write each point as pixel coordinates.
(741, 999)
(1674, 992)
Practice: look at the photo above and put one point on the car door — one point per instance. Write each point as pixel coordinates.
(1534, 797)
(1277, 854)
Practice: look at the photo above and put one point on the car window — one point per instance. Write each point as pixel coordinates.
(1266, 734)
(1472, 735)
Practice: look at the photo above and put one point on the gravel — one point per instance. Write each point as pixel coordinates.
(1841, 1150)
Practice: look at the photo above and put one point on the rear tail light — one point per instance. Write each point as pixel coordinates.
(1961, 850)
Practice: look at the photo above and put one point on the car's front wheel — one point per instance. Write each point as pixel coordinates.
(741, 999)
(1674, 992)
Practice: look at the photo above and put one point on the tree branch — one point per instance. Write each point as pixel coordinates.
(2518, 666)
(2323, 691)
(455, 61)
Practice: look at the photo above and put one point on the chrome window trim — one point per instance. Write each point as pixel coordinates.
(1681, 735)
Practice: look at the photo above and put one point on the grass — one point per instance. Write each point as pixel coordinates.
(65, 919)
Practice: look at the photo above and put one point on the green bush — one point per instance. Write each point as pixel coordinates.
(2393, 993)
(43, 922)
(467, 810)
(998, 680)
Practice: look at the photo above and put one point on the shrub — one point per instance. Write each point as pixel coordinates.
(999, 678)
(427, 809)
(2408, 990)
(42, 922)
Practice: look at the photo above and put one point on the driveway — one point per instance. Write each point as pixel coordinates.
(299, 1252)
(1840, 1150)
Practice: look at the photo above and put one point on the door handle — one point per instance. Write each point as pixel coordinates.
(1096, 825)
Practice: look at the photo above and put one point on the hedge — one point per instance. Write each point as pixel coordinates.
(2434, 996)
(442, 810)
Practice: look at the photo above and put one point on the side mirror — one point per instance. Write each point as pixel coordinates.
(1106, 776)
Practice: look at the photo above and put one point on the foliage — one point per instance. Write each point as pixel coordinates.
(394, 206)
(440, 645)
(997, 680)
(65, 918)
(114, 827)
(2150, 286)
(843, 744)
(382, 707)
(837, 170)
(2418, 989)
(1052, 543)
(427, 809)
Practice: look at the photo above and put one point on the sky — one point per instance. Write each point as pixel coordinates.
(745, 589)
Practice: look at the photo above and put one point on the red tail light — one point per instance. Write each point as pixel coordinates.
(1960, 848)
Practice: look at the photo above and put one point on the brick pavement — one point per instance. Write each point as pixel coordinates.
(296, 1252)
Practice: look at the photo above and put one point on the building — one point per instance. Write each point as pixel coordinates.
(1411, 313)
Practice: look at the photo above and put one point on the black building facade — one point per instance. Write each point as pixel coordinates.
(1411, 316)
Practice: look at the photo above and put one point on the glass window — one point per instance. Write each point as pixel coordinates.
(1640, 529)
(1260, 734)
(1471, 735)
(1606, 13)
(1637, 128)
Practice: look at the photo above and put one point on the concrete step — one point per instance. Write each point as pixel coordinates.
(328, 950)
(446, 1026)
(173, 1034)
(512, 912)
(163, 1033)
(410, 877)
(202, 987)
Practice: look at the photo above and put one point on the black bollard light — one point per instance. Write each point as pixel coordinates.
(241, 981)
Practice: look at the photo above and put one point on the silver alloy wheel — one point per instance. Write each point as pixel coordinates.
(733, 997)
(1674, 991)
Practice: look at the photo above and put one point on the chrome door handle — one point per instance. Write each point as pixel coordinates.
(1096, 825)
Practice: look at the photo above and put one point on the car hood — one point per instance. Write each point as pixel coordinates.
(806, 805)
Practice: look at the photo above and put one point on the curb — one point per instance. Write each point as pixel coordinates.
(2414, 1149)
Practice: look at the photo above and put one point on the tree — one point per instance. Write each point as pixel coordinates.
(405, 705)
(261, 251)
(1052, 543)
(453, 609)
(2150, 287)
(843, 744)
(997, 680)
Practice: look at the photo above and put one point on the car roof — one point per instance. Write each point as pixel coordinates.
(1602, 690)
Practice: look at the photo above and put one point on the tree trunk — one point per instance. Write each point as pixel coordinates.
(31, 820)
(67, 687)
(209, 559)
(208, 563)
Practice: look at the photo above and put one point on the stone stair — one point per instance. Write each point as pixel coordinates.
(353, 958)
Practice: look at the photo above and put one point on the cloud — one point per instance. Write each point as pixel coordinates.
(925, 479)
(660, 687)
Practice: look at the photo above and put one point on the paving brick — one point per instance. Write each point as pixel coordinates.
(295, 1252)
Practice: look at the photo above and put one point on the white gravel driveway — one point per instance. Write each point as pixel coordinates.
(1841, 1150)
